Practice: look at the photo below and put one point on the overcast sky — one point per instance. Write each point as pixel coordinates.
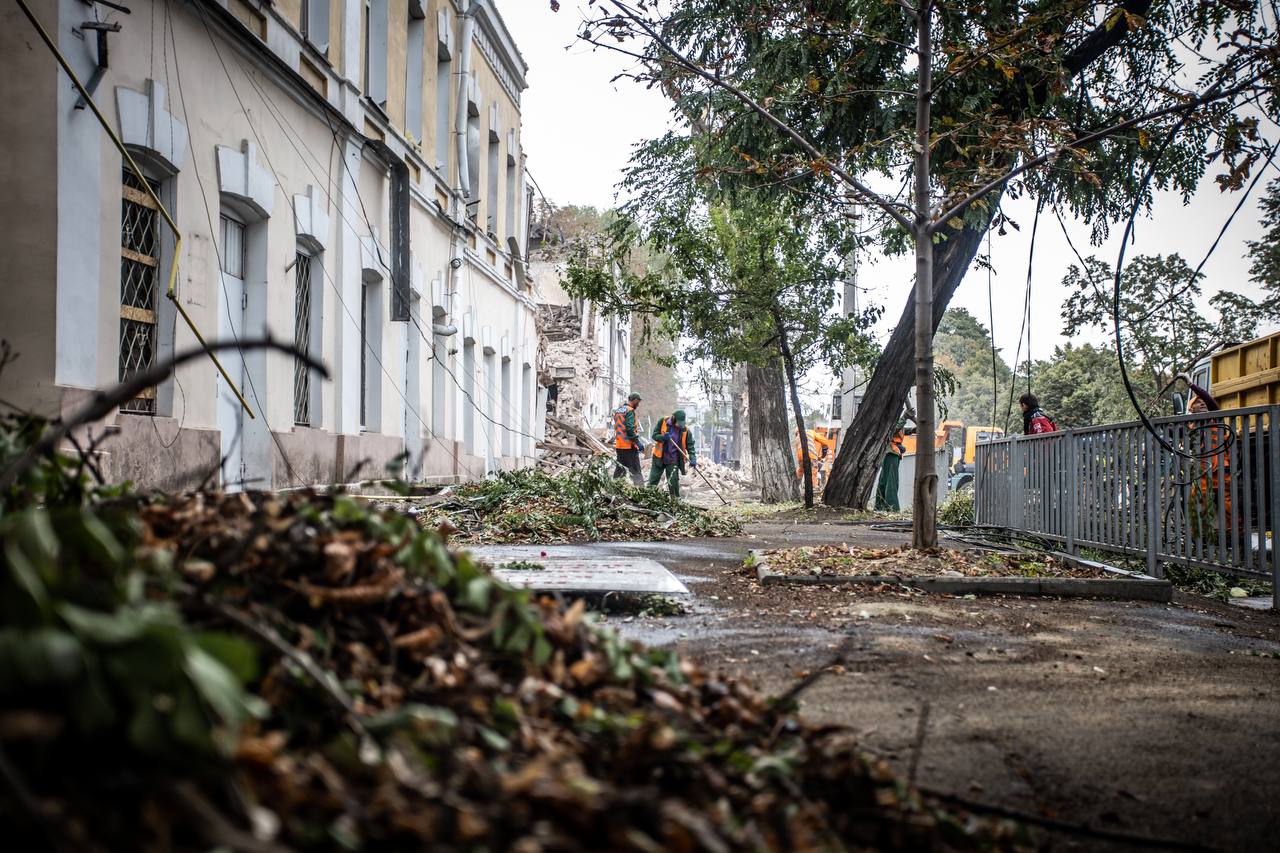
(579, 128)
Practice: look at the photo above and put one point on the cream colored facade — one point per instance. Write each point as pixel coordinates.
(329, 163)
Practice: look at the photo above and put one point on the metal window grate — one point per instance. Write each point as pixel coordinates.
(302, 339)
(139, 262)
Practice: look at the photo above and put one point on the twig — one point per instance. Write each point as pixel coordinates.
(271, 637)
(217, 829)
(786, 699)
(1065, 826)
(917, 747)
(22, 794)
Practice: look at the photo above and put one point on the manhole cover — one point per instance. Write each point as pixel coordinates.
(576, 574)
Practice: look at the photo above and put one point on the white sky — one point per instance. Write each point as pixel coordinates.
(579, 129)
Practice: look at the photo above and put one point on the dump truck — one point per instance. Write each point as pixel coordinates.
(1238, 376)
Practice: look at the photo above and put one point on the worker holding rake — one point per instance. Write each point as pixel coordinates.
(673, 445)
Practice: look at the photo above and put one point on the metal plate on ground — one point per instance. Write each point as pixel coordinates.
(575, 574)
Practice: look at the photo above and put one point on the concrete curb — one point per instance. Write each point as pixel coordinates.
(1124, 587)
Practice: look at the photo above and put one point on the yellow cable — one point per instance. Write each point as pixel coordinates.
(171, 292)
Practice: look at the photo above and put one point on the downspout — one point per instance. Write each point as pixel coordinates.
(472, 7)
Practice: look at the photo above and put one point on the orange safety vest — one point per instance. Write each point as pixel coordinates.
(620, 440)
(666, 427)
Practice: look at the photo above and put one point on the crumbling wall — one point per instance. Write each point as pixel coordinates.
(654, 381)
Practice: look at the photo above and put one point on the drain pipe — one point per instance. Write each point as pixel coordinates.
(443, 330)
(472, 7)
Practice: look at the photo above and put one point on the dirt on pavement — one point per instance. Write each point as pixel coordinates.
(1150, 719)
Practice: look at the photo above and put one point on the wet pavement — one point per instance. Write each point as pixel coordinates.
(1160, 720)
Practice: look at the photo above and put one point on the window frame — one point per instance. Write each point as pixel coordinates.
(134, 257)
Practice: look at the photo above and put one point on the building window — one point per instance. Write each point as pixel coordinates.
(139, 264)
(491, 203)
(302, 339)
(375, 51)
(232, 247)
(414, 68)
(314, 20)
(511, 192)
(444, 85)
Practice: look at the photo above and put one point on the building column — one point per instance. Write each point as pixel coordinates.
(347, 276)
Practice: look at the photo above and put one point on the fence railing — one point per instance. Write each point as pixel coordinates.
(1214, 503)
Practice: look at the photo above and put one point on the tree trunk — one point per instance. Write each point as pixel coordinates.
(853, 476)
(806, 461)
(924, 494)
(739, 380)
(771, 463)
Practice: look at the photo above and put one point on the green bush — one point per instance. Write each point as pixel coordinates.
(958, 510)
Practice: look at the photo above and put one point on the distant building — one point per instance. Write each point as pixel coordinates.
(345, 174)
(585, 355)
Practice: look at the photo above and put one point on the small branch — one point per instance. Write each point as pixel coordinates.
(922, 730)
(1064, 826)
(716, 80)
(1209, 97)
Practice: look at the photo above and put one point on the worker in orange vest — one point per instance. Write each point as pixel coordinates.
(626, 440)
(673, 445)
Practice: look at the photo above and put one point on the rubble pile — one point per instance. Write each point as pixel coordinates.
(300, 672)
(726, 480)
(567, 446)
(581, 504)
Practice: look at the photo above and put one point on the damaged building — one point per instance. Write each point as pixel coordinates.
(584, 355)
(344, 175)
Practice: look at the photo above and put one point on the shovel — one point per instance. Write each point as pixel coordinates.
(703, 476)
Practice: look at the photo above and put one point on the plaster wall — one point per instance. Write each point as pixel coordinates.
(284, 147)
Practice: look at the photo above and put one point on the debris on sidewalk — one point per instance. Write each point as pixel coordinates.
(723, 478)
(567, 447)
(845, 560)
(273, 672)
(580, 504)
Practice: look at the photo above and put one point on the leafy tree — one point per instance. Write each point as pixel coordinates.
(959, 107)
(1165, 332)
(1265, 253)
(745, 285)
(1080, 386)
(963, 347)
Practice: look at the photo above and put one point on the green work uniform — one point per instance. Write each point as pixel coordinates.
(671, 469)
(887, 488)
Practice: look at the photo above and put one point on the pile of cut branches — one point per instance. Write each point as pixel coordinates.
(580, 504)
(267, 672)
(845, 560)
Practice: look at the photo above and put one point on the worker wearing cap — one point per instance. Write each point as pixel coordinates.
(673, 444)
(626, 440)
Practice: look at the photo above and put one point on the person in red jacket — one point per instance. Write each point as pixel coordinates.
(1034, 420)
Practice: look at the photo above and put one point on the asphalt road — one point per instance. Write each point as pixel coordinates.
(1151, 719)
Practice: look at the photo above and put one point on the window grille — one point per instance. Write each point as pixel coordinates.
(139, 262)
(302, 339)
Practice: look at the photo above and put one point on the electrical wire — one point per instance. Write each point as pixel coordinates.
(1026, 321)
(286, 128)
(1139, 194)
(991, 320)
(195, 161)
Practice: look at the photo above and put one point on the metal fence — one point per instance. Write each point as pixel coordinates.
(1213, 504)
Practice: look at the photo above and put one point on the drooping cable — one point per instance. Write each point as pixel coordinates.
(991, 320)
(1228, 428)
